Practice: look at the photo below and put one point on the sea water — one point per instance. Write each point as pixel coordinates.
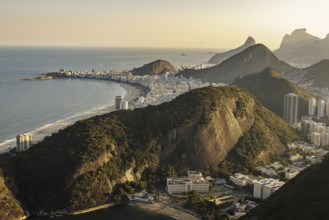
(28, 105)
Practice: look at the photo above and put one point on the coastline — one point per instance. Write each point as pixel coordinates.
(165, 210)
(91, 209)
(133, 92)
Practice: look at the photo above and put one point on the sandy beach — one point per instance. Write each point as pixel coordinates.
(166, 210)
(38, 134)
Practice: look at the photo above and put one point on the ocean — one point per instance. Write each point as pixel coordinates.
(28, 105)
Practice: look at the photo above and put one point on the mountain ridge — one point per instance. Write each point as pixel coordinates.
(85, 164)
(303, 49)
(220, 57)
(269, 87)
(252, 60)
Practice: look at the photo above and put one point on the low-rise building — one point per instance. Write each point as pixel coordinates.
(193, 181)
(243, 180)
(291, 173)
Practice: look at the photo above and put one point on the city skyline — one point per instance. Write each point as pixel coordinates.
(172, 24)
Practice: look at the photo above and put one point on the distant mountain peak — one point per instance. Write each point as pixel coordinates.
(299, 31)
(303, 49)
(250, 40)
(254, 59)
(220, 57)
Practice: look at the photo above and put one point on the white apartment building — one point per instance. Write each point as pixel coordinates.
(311, 106)
(193, 181)
(124, 105)
(23, 142)
(290, 108)
(265, 187)
(315, 138)
(321, 107)
(327, 106)
(242, 180)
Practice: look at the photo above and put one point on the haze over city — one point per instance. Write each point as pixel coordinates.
(146, 23)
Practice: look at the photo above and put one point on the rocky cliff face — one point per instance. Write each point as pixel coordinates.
(252, 60)
(220, 57)
(154, 68)
(82, 165)
(10, 207)
(298, 39)
(302, 49)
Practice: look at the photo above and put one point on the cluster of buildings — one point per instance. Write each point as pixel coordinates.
(311, 126)
(193, 181)
(162, 88)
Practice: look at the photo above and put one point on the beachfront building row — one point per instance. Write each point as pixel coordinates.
(23, 142)
(193, 181)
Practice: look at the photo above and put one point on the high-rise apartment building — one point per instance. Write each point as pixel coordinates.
(118, 100)
(327, 107)
(23, 142)
(311, 106)
(321, 107)
(290, 108)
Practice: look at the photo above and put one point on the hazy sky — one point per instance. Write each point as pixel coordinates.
(158, 23)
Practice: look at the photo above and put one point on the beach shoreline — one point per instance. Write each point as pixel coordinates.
(133, 92)
(165, 209)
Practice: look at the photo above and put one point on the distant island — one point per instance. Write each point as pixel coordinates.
(42, 77)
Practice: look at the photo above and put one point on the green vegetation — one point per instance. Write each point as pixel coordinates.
(243, 157)
(87, 163)
(154, 68)
(269, 87)
(204, 207)
(305, 197)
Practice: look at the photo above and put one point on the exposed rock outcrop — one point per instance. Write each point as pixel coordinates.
(10, 207)
(302, 49)
(82, 165)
